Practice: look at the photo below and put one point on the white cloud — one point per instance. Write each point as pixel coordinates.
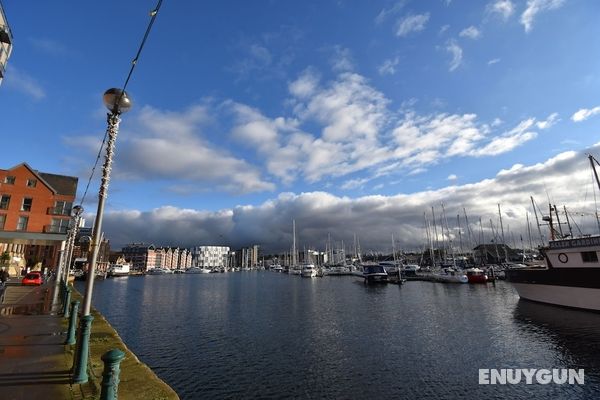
(170, 146)
(503, 8)
(585, 113)
(452, 177)
(443, 29)
(493, 61)
(389, 66)
(385, 13)
(509, 140)
(305, 85)
(22, 82)
(341, 60)
(549, 122)
(372, 218)
(471, 32)
(412, 23)
(457, 54)
(534, 7)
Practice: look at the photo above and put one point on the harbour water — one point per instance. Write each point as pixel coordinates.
(259, 335)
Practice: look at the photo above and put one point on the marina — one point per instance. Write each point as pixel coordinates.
(262, 334)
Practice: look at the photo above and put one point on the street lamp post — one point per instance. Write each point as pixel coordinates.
(117, 102)
(62, 272)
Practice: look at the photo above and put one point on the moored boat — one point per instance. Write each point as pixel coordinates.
(309, 271)
(476, 275)
(374, 273)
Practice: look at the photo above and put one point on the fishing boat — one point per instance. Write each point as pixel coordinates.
(570, 276)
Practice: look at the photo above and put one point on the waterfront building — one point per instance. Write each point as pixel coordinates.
(6, 40)
(35, 210)
(210, 256)
(141, 256)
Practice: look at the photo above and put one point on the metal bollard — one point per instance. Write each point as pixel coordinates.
(80, 361)
(110, 376)
(72, 322)
(66, 302)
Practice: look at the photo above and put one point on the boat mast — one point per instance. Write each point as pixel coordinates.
(294, 261)
(537, 222)
(568, 222)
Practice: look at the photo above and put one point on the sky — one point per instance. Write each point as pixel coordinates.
(350, 117)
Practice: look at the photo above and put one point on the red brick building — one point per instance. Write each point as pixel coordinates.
(35, 210)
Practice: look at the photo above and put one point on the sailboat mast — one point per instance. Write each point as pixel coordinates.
(294, 261)
(501, 226)
(537, 222)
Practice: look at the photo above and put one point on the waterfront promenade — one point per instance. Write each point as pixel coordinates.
(36, 364)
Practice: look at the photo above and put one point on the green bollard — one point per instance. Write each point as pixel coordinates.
(110, 375)
(81, 358)
(66, 302)
(72, 322)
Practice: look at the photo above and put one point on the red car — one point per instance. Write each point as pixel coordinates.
(32, 278)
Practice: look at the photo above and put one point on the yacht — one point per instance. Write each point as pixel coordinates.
(374, 273)
(277, 268)
(309, 271)
(450, 275)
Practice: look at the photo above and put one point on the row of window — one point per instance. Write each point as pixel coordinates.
(60, 207)
(58, 225)
(10, 180)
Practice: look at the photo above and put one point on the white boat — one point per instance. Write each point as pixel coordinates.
(295, 270)
(450, 275)
(159, 271)
(118, 270)
(277, 268)
(197, 270)
(309, 271)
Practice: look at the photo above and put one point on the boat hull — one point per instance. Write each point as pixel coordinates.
(566, 296)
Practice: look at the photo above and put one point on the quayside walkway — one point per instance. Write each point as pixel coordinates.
(36, 364)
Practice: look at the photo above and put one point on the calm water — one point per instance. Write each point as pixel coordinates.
(268, 335)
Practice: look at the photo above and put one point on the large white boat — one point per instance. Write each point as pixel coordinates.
(571, 274)
(276, 268)
(309, 271)
(118, 269)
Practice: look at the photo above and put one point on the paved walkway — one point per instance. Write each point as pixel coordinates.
(34, 362)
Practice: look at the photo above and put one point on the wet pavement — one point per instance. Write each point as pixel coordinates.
(34, 362)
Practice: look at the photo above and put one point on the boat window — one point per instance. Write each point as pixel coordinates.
(589, 256)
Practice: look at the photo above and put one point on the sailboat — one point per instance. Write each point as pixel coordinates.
(295, 269)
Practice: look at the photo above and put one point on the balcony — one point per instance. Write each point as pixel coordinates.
(55, 229)
(59, 211)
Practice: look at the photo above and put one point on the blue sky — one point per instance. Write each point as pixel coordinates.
(249, 114)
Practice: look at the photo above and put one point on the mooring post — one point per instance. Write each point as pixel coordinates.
(81, 355)
(66, 302)
(72, 322)
(110, 376)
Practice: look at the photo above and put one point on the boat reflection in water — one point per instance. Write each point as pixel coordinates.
(573, 333)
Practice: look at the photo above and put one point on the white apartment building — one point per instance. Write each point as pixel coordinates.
(210, 256)
(5, 42)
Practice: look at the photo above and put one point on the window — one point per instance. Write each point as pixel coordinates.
(2, 221)
(22, 224)
(59, 225)
(31, 183)
(589, 257)
(9, 180)
(62, 207)
(4, 201)
(26, 206)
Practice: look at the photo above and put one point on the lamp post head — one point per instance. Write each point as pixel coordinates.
(117, 101)
(77, 210)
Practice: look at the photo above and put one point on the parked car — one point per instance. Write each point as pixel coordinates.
(33, 278)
